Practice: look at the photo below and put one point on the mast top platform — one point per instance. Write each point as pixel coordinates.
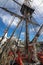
(27, 9)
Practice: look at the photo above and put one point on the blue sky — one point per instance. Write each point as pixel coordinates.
(5, 18)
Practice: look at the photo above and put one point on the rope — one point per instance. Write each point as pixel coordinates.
(17, 3)
(37, 33)
(15, 29)
(20, 32)
(6, 30)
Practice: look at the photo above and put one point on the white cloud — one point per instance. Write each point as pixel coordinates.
(41, 39)
(41, 32)
(16, 20)
(7, 19)
(32, 30)
(37, 3)
(22, 33)
(37, 29)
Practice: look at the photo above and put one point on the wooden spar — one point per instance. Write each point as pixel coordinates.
(27, 38)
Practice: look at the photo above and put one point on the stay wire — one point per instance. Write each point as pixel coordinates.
(6, 30)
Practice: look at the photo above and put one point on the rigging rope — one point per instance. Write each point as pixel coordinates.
(15, 29)
(34, 39)
(7, 43)
(35, 21)
(6, 30)
(17, 3)
(12, 13)
(21, 29)
(20, 33)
